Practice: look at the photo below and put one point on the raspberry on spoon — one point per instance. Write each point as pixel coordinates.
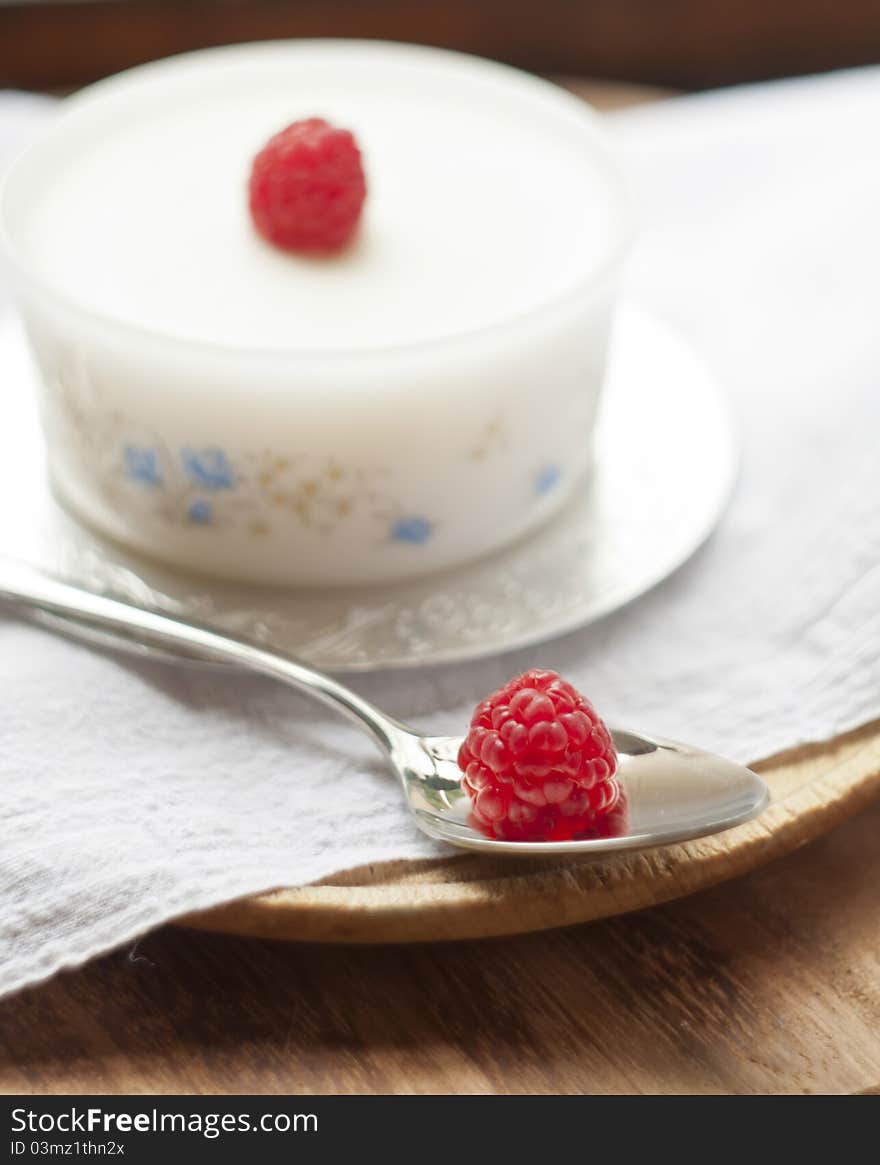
(539, 763)
(307, 187)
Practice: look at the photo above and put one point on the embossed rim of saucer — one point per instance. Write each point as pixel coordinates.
(665, 462)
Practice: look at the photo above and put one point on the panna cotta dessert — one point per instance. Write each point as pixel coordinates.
(417, 396)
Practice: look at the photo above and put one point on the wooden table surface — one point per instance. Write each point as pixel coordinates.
(766, 984)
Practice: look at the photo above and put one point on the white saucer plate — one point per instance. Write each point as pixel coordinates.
(665, 464)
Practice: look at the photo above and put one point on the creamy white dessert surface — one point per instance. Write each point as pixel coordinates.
(475, 213)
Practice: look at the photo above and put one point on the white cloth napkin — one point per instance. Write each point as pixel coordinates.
(131, 793)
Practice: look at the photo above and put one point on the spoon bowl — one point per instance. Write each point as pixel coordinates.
(672, 792)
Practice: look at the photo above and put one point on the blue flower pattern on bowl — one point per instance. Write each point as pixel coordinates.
(142, 465)
(415, 530)
(208, 468)
(201, 512)
(263, 491)
(548, 479)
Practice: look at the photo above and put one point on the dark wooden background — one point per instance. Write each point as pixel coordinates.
(678, 43)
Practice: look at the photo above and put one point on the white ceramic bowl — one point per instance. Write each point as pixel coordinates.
(234, 411)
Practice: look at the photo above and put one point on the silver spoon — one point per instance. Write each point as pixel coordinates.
(674, 792)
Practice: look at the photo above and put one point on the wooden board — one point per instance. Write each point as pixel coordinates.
(814, 788)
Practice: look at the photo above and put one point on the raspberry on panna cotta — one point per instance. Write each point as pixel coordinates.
(307, 187)
(540, 764)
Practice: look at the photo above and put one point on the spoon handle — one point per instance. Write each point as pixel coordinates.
(30, 591)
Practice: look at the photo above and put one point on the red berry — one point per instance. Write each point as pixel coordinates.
(307, 187)
(539, 763)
